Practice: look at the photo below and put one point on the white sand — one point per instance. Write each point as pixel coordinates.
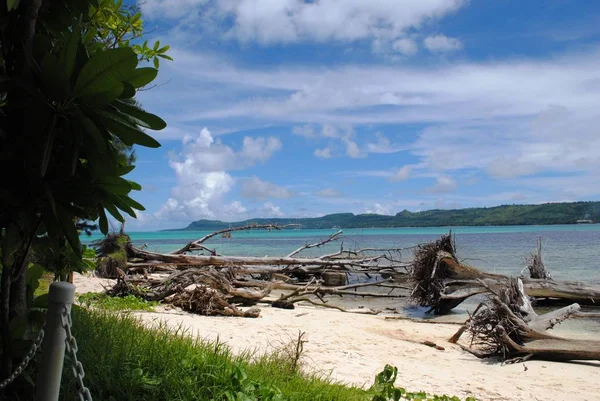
(353, 348)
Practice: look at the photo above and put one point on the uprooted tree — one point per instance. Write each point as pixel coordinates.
(441, 282)
(201, 280)
(507, 325)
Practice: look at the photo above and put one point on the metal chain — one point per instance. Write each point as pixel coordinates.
(17, 372)
(71, 349)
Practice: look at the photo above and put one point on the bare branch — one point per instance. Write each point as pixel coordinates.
(332, 237)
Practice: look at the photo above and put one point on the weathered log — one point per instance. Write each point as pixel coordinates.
(441, 282)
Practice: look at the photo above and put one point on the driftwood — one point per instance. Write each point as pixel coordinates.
(507, 325)
(441, 282)
(213, 284)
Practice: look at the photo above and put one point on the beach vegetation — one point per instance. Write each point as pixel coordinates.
(70, 72)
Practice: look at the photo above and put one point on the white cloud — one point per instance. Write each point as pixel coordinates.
(324, 153)
(260, 149)
(402, 173)
(442, 43)
(352, 149)
(255, 188)
(405, 46)
(443, 184)
(168, 9)
(378, 208)
(328, 193)
(307, 131)
(383, 145)
(271, 210)
(202, 178)
(285, 21)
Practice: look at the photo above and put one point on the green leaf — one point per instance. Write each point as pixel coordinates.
(156, 45)
(12, 4)
(65, 220)
(128, 91)
(115, 185)
(141, 76)
(89, 35)
(123, 206)
(68, 53)
(123, 170)
(41, 301)
(135, 186)
(142, 117)
(92, 132)
(114, 212)
(129, 134)
(163, 49)
(156, 63)
(165, 56)
(34, 272)
(133, 203)
(103, 221)
(55, 78)
(104, 70)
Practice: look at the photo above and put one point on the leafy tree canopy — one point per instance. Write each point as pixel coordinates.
(69, 74)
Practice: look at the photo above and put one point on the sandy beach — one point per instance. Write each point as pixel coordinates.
(353, 348)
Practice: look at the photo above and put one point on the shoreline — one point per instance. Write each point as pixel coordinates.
(353, 348)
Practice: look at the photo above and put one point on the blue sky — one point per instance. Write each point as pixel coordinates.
(303, 108)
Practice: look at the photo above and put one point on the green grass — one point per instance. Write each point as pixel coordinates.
(124, 361)
(102, 301)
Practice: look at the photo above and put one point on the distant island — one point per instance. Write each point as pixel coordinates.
(505, 215)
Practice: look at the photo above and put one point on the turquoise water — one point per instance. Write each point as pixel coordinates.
(571, 252)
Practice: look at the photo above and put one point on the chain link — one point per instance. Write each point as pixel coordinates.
(17, 372)
(71, 349)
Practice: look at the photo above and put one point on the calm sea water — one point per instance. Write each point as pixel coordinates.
(571, 252)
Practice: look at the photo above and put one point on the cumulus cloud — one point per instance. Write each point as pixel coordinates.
(378, 208)
(328, 193)
(443, 184)
(271, 210)
(405, 46)
(383, 145)
(402, 173)
(255, 188)
(442, 43)
(286, 21)
(324, 153)
(306, 131)
(202, 178)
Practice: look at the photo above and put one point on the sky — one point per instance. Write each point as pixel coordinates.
(300, 108)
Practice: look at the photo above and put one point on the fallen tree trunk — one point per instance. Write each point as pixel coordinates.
(507, 325)
(441, 282)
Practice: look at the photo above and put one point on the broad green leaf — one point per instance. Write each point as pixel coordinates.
(69, 230)
(55, 78)
(133, 203)
(89, 35)
(134, 185)
(12, 4)
(68, 53)
(91, 131)
(123, 206)
(102, 220)
(129, 134)
(115, 185)
(142, 117)
(141, 76)
(114, 212)
(33, 274)
(163, 49)
(123, 170)
(156, 45)
(107, 96)
(165, 56)
(128, 91)
(41, 301)
(156, 62)
(104, 69)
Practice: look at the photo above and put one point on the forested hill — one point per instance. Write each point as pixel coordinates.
(548, 213)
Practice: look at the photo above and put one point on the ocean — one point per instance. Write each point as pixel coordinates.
(570, 252)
